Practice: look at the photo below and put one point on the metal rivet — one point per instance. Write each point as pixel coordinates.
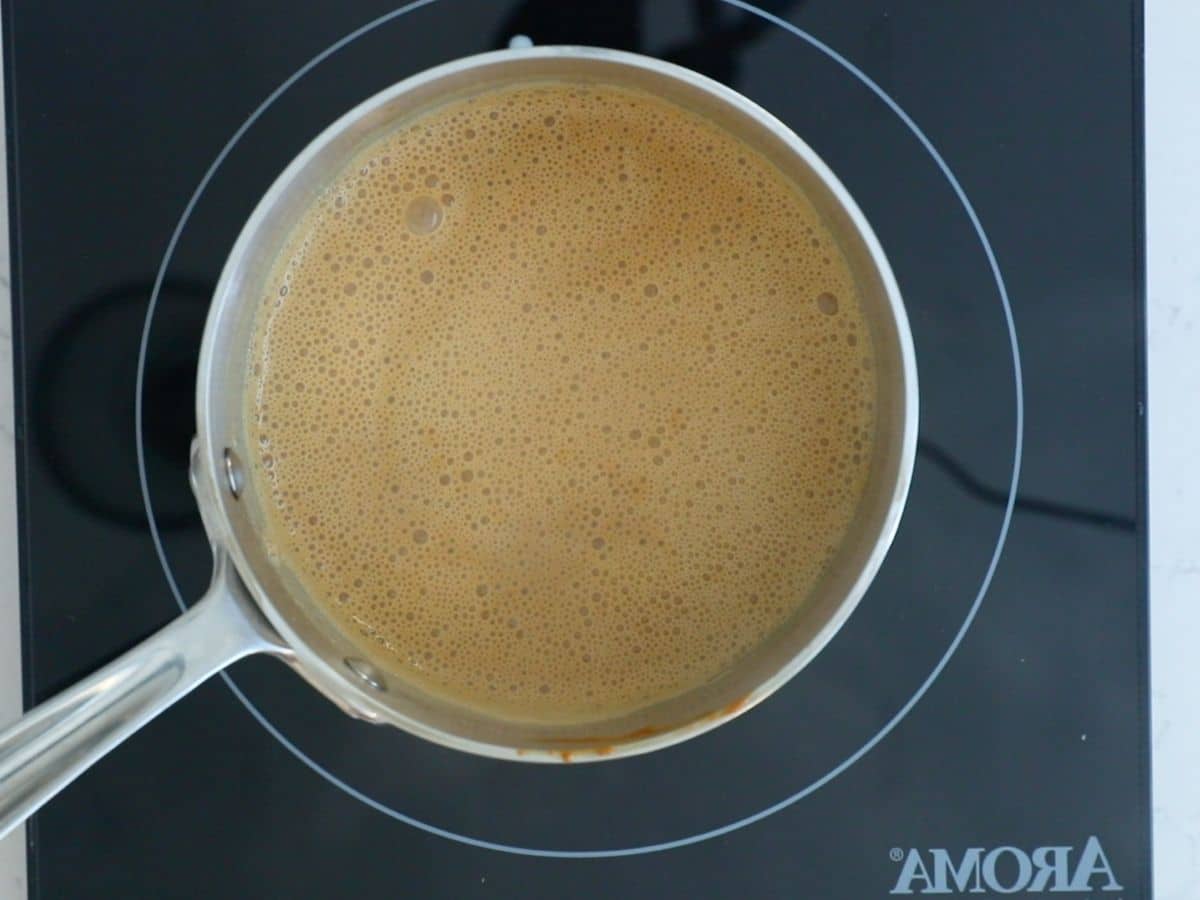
(366, 672)
(234, 479)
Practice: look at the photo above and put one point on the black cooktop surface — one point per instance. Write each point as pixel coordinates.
(981, 721)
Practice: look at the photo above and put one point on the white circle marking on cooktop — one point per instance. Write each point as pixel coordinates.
(786, 801)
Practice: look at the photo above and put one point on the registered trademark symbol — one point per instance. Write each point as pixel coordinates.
(896, 854)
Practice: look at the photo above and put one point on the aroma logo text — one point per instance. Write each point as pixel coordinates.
(1005, 870)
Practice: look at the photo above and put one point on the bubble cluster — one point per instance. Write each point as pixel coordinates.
(562, 400)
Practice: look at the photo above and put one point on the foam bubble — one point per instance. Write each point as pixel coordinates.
(423, 215)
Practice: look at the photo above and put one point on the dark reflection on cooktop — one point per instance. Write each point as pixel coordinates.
(83, 401)
(721, 33)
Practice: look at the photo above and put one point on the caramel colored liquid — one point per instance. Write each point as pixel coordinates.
(562, 400)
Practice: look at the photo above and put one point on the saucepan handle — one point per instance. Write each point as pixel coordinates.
(52, 744)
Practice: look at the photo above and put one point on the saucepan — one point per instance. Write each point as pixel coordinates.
(254, 605)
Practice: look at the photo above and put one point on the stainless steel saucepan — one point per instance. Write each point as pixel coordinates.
(254, 605)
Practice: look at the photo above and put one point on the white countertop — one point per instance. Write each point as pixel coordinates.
(1173, 316)
(12, 848)
(1173, 371)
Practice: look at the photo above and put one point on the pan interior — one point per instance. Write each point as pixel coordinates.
(322, 649)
